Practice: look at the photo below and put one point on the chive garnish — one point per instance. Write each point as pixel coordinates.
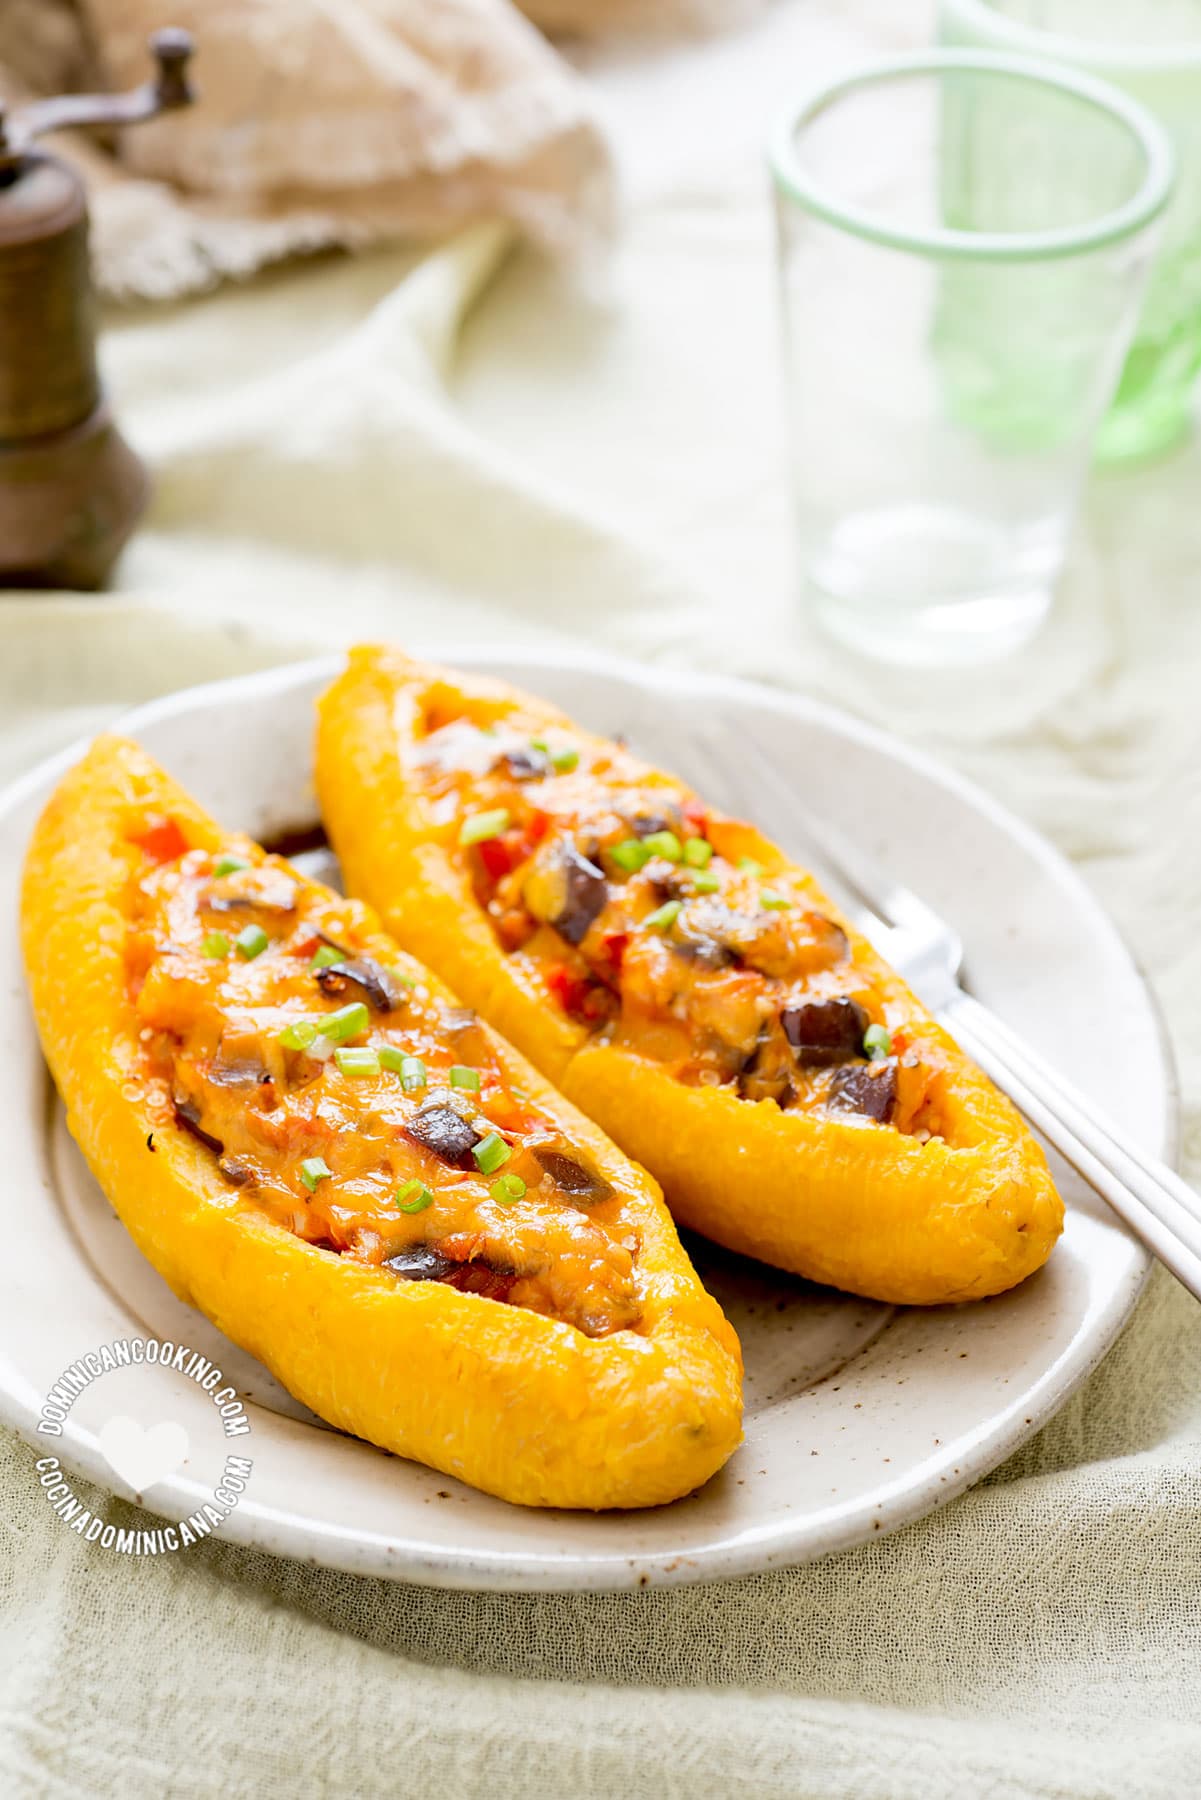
(348, 1022)
(326, 957)
(697, 851)
(314, 1169)
(665, 844)
(877, 1041)
(491, 1153)
(229, 865)
(631, 855)
(704, 882)
(770, 901)
(215, 944)
(749, 866)
(507, 1189)
(364, 1061)
(663, 916)
(479, 827)
(463, 1077)
(301, 1034)
(414, 1197)
(564, 761)
(251, 942)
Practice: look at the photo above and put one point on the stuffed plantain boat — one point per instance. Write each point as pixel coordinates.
(352, 1175)
(684, 984)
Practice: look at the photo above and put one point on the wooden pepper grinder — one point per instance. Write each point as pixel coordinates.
(71, 489)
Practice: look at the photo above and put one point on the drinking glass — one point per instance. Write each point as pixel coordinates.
(964, 241)
(1152, 49)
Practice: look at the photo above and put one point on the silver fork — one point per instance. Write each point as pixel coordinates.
(1160, 1208)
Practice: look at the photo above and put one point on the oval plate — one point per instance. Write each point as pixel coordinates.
(859, 1417)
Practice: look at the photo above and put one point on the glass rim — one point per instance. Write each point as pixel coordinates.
(1116, 55)
(1123, 221)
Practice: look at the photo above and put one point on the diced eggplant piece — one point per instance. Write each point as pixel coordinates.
(420, 1263)
(644, 825)
(766, 1074)
(238, 1062)
(187, 1114)
(255, 890)
(695, 940)
(524, 763)
(564, 889)
(824, 1033)
(867, 1088)
(587, 893)
(374, 982)
(572, 1176)
(446, 1133)
(423, 1263)
(237, 1173)
(237, 1074)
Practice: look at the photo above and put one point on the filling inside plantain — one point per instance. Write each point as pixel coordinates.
(343, 1098)
(642, 914)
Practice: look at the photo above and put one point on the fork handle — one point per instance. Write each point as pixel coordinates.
(1160, 1208)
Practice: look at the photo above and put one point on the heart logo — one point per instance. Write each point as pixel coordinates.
(142, 1456)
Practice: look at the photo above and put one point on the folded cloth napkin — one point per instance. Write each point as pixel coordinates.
(318, 126)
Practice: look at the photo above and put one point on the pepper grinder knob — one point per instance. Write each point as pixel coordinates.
(71, 489)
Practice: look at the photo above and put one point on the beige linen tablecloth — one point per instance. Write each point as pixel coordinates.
(358, 447)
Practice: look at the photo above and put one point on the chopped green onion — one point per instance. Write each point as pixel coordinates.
(663, 916)
(507, 1189)
(414, 1197)
(491, 1153)
(463, 1077)
(301, 1034)
(412, 1074)
(479, 827)
(773, 902)
(357, 1062)
(314, 1169)
(564, 761)
(326, 957)
(749, 866)
(665, 844)
(705, 883)
(411, 1069)
(877, 1041)
(399, 975)
(215, 944)
(631, 855)
(697, 852)
(252, 942)
(229, 865)
(540, 744)
(348, 1022)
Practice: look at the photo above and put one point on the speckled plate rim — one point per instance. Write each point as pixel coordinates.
(283, 1531)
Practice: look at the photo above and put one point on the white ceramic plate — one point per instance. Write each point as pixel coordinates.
(859, 1417)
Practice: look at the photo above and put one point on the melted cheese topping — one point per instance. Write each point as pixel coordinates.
(221, 974)
(636, 910)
